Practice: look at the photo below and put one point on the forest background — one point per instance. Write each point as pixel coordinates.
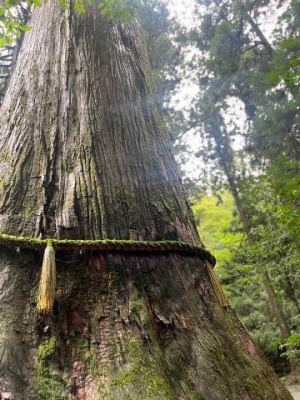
(227, 74)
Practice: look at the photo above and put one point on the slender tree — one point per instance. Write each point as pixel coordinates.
(85, 155)
(215, 128)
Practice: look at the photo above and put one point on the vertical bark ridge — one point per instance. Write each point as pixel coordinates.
(93, 142)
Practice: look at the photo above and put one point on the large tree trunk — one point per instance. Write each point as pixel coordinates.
(84, 154)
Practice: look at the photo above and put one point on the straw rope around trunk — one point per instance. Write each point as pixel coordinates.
(48, 275)
(217, 287)
(109, 245)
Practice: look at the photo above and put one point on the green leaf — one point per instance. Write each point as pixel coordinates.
(26, 28)
(3, 42)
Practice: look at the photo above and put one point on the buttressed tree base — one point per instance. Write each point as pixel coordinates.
(85, 155)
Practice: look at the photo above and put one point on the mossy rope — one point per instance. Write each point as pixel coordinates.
(166, 246)
(48, 275)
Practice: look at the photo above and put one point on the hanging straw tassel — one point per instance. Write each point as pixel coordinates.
(219, 291)
(48, 281)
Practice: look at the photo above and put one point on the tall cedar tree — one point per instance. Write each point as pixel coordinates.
(85, 154)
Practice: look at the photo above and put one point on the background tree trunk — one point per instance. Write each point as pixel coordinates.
(224, 155)
(84, 154)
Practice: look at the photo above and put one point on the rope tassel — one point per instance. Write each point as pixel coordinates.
(48, 281)
(217, 287)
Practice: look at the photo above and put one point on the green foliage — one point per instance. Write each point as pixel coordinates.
(11, 27)
(258, 162)
(224, 47)
(218, 228)
(272, 201)
(163, 48)
(122, 10)
(237, 62)
(290, 347)
(286, 63)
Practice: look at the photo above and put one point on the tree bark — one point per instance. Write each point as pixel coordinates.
(255, 28)
(84, 154)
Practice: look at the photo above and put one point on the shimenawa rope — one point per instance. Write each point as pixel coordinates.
(48, 275)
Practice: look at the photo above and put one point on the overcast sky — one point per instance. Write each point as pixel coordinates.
(184, 12)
